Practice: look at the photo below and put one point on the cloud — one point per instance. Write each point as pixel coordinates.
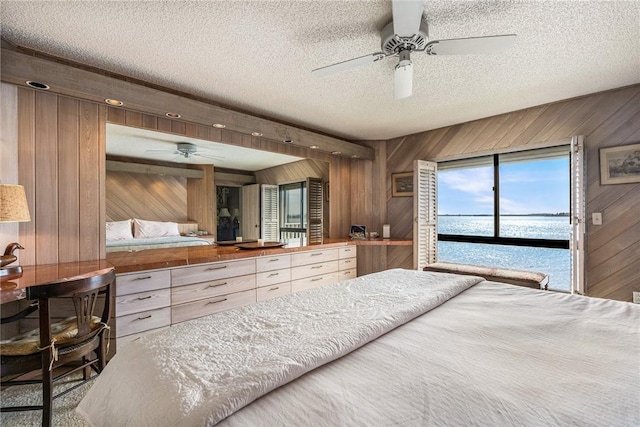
(474, 181)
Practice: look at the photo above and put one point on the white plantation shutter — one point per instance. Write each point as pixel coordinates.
(425, 211)
(314, 210)
(269, 213)
(577, 216)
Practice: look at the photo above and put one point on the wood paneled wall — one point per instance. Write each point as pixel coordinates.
(605, 119)
(60, 148)
(145, 196)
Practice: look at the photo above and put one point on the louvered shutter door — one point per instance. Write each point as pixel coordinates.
(425, 211)
(269, 213)
(314, 209)
(577, 216)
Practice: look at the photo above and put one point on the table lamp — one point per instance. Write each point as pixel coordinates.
(13, 208)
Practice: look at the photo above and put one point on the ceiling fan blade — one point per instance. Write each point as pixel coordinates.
(207, 156)
(346, 65)
(471, 46)
(162, 151)
(407, 15)
(403, 80)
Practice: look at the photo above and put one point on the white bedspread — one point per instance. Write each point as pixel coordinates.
(199, 372)
(139, 244)
(495, 355)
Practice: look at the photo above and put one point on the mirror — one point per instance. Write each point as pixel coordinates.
(159, 177)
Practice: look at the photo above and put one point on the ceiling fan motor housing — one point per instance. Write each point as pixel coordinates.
(392, 45)
(186, 148)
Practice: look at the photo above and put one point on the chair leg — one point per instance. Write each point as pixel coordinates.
(47, 396)
(86, 371)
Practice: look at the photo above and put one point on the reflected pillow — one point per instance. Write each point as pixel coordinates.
(148, 229)
(119, 230)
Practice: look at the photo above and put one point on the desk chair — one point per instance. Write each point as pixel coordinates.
(80, 341)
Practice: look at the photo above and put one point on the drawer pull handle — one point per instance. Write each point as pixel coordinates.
(316, 266)
(143, 298)
(274, 288)
(274, 274)
(316, 254)
(274, 260)
(216, 285)
(143, 278)
(145, 317)
(217, 268)
(215, 302)
(316, 279)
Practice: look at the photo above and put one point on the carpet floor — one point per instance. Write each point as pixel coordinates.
(64, 414)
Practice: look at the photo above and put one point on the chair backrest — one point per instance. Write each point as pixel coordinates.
(84, 292)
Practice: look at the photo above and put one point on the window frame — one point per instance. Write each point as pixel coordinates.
(496, 239)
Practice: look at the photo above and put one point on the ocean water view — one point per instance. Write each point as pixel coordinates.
(554, 262)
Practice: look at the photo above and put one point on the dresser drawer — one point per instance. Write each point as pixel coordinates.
(313, 282)
(269, 292)
(142, 301)
(312, 257)
(313, 270)
(272, 277)
(270, 263)
(348, 252)
(347, 263)
(122, 342)
(212, 271)
(347, 274)
(198, 291)
(142, 282)
(192, 310)
(143, 321)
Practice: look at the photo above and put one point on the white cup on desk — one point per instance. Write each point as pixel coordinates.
(239, 239)
(260, 242)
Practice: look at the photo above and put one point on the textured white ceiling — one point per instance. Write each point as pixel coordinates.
(258, 55)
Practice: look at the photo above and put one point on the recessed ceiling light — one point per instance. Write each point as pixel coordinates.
(219, 125)
(287, 141)
(335, 153)
(256, 134)
(37, 85)
(355, 156)
(173, 115)
(314, 147)
(114, 102)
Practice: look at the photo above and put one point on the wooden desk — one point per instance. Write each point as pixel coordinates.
(46, 274)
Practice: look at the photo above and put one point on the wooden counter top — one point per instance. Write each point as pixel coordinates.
(152, 259)
(45, 274)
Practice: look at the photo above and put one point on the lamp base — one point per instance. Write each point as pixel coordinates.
(8, 273)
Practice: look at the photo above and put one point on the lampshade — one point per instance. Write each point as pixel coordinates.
(224, 213)
(235, 212)
(13, 204)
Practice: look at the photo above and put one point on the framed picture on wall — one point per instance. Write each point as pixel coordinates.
(620, 165)
(402, 184)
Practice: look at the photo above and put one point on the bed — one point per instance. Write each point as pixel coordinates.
(399, 347)
(139, 244)
(137, 234)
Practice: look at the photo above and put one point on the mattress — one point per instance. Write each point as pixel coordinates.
(153, 243)
(398, 347)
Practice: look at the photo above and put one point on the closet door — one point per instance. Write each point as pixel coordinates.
(577, 217)
(269, 224)
(250, 224)
(314, 210)
(425, 212)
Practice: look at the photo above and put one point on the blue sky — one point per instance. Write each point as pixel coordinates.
(540, 186)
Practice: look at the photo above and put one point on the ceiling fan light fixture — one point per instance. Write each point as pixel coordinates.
(403, 77)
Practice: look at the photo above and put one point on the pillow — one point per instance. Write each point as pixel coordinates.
(149, 229)
(119, 230)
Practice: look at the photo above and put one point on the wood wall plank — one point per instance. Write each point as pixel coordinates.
(69, 180)
(27, 171)
(90, 185)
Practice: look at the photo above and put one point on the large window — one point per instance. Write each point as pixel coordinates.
(508, 210)
(293, 209)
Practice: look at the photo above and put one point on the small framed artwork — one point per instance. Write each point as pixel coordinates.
(620, 165)
(358, 232)
(402, 184)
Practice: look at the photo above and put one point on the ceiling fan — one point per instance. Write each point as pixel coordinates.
(186, 150)
(408, 33)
